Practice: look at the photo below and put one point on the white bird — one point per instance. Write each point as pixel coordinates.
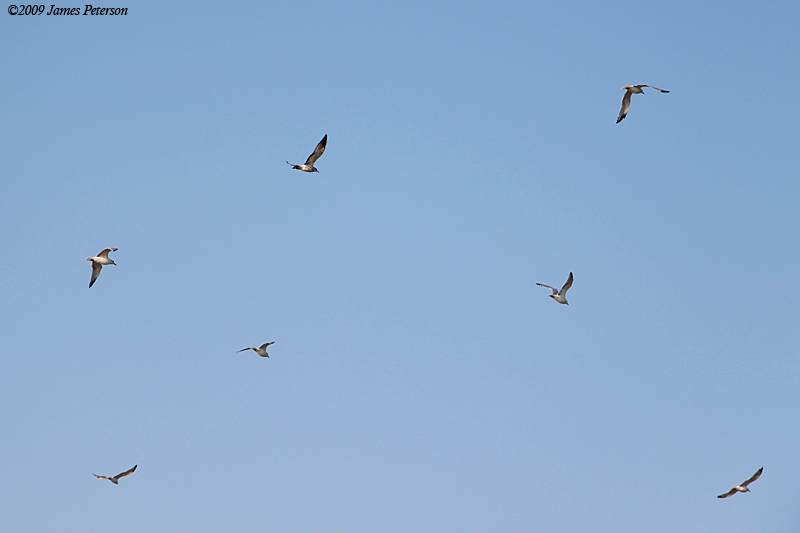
(97, 263)
(261, 350)
(743, 486)
(626, 100)
(560, 296)
(115, 479)
(308, 166)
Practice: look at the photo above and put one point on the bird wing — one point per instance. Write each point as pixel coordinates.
(96, 268)
(104, 253)
(100, 477)
(656, 88)
(317, 151)
(126, 473)
(244, 349)
(264, 346)
(555, 291)
(729, 493)
(566, 286)
(755, 477)
(626, 104)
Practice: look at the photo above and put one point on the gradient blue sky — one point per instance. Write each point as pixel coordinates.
(420, 380)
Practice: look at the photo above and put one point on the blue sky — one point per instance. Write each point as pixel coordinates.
(420, 380)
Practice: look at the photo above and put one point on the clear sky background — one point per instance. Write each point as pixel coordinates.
(420, 380)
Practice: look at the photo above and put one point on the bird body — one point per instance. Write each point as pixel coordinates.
(626, 99)
(97, 263)
(743, 486)
(261, 350)
(115, 479)
(560, 296)
(308, 166)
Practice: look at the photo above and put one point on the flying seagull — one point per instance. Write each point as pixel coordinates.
(308, 166)
(743, 486)
(626, 100)
(98, 261)
(560, 296)
(115, 479)
(261, 350)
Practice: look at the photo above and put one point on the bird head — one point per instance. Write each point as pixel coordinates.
(88, 258)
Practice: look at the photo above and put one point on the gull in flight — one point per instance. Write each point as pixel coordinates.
(560, 296)
(261, 350)
(98, 261)
(115, 479)
(626, 100)
(308, 166)
(743, 486)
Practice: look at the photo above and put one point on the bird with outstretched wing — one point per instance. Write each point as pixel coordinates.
(115, 479)
(308, 166)
(743, 486)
